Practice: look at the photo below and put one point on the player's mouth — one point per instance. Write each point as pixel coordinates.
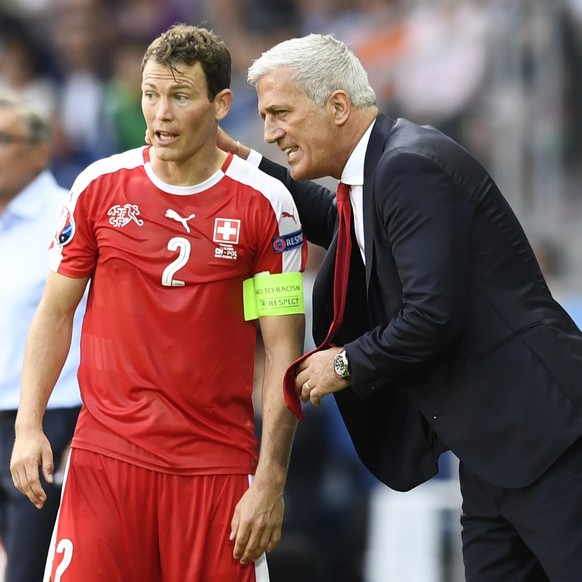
(165, 138)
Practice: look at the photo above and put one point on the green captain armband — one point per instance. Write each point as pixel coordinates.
(279, 294)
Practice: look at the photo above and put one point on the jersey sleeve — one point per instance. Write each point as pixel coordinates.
(282, 247)
(73, 251)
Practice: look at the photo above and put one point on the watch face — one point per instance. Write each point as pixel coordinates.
(341, 365)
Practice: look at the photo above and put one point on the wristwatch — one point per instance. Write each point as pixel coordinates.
(341, 365)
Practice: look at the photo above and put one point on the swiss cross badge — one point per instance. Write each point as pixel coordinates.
(226, 230)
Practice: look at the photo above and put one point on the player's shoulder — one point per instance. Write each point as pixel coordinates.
(127, 160)
(247, 173)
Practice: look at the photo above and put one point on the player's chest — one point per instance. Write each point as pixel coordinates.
(180, 237)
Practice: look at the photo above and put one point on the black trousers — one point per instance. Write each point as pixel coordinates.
(26, 531)
(530, 534)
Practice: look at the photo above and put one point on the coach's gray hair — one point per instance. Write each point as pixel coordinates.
(320, 65)
(37, 126)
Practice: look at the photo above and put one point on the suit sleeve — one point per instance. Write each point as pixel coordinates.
(423, 219)
(315, 203)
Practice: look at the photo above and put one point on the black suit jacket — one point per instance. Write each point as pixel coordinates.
(453, 336)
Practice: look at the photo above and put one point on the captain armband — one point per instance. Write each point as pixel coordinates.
(279, 294)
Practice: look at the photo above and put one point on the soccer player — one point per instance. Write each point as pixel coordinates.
(184, 247)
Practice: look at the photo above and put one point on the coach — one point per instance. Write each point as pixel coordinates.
(451, 338)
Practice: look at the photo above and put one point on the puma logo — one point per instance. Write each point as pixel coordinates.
(285, 214)
(175, 216)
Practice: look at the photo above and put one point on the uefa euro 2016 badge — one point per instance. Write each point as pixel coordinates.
(65, 228)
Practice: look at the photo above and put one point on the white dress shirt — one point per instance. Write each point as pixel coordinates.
(27, 226)
(353, 176)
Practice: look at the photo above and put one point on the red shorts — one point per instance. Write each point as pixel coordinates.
(123, 523)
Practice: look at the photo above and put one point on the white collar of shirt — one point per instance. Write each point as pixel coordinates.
(353, 176)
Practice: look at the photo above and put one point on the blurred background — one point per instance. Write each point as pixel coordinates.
(502, 77)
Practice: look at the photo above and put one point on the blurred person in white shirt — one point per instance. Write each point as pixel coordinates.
(30, 206)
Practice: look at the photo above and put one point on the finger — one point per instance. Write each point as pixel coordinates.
(33, 488)
(255, 551)
(241, 541)
(17, 480)
(315, 398)
(301, 366)
(242, 547)
(234, 525)
(250, 553)
(299, 382)
(255, 546)
(48, 471)
(274, 539)
(306, 390)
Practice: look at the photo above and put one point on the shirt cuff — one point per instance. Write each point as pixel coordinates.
(255, 158)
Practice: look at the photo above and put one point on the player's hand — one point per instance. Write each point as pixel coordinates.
(257, 522)
(31, 451)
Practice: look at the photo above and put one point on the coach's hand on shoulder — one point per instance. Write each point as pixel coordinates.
(31, 451)
(228, 144)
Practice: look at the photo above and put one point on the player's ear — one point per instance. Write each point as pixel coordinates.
(222, 103)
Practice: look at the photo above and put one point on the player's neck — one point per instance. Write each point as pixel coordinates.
(190, 172)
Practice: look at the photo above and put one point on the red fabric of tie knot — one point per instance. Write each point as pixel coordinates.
(343, 192)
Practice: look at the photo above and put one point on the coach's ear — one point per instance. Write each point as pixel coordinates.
(340, 106)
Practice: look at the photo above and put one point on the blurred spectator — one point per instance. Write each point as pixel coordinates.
(443, 64)
(380, 45)
(30, 206)
(24, 65)
(83, 42)
(372, 28)
(571, 25)
(249, 27)
(146, 19)
(122, 99)
(29, 9)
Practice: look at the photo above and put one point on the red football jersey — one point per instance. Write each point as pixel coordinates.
(167, 358)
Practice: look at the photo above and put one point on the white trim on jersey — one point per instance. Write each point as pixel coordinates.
(52, 547)
(125, 160)
(261, 569)
(182, 190)
(281, 202)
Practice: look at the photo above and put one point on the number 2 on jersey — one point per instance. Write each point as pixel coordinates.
(183, 246)
(64, 547)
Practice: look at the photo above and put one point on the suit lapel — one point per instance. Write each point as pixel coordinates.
(376, 146)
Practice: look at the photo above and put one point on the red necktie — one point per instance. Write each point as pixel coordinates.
(340, 285)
